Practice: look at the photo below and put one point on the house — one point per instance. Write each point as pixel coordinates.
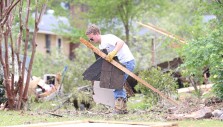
(49, 40)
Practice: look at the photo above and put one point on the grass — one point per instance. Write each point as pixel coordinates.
(137, 103)
(9, 118)
(138, 112)
(200, 123)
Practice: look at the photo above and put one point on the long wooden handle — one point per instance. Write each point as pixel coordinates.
(116, 64)
(152, 27)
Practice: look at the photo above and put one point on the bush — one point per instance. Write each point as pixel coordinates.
(206, 51)
(159, 80)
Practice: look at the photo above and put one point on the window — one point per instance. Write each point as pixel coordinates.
(48, 43)
(59, 44)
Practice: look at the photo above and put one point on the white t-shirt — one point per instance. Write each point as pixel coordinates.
(109, 41)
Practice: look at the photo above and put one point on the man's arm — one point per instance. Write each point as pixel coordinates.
(118, 46)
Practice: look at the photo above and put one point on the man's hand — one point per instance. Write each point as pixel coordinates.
(110, 55)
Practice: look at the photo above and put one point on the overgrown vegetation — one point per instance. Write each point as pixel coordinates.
(205, 51)
(159, 80)
(55, 63)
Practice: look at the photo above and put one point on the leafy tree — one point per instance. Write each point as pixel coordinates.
(116, 16)
(206, 51)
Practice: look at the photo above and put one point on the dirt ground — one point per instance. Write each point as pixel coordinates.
(163, 112)
(195, 108)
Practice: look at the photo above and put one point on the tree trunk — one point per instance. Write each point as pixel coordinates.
(127, 34)
(16, 97)
(33, 51)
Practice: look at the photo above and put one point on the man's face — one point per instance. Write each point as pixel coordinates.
(94, 38)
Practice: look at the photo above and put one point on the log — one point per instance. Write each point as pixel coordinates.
(190, 89)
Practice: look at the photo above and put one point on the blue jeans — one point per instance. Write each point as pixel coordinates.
(130, 65)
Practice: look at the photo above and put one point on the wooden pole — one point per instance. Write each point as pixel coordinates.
(152, 27)
(119, 66)
(153, 52)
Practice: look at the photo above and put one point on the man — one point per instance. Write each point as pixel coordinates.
(115, 47)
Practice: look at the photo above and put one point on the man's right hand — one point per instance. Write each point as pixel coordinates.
(111, 55)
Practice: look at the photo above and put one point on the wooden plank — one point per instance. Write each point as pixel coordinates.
(154, 28)
(150, 124)
(97, 123)
(113, 62)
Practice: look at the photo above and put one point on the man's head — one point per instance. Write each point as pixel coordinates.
(93, 33)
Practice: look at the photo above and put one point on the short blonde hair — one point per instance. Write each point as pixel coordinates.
(93, 29)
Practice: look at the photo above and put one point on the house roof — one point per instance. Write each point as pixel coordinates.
(49, 23)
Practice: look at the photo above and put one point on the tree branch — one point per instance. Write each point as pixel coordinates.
(37, 20)
(24, 56)
(4, 18)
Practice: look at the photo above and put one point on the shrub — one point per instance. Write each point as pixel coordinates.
(159, 80)
(206, 51)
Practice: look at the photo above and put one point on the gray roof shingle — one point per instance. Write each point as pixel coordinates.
(49, 23)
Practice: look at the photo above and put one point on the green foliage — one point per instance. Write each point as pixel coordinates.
(217, 73)
(170, 16)
(33, 6)
(44, 64)
(178, 17)
(67, 31)
(206, 48)
(115, 16)
(212, 7)
(58, 9)
(159, 80)
(200, 123)
(72, 11)
(109, 10)
(206, 52)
